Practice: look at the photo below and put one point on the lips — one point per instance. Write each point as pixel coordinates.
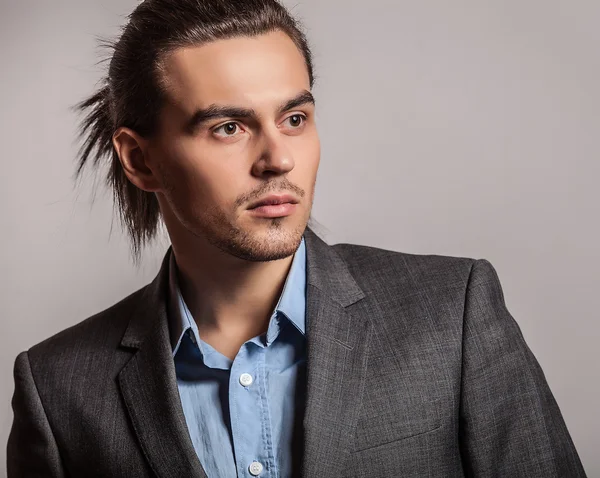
(274, 199)
(273, 210)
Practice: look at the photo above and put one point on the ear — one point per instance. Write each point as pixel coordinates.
(132, 151)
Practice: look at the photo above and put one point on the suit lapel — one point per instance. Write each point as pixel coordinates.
(338, 332)
(149, 387)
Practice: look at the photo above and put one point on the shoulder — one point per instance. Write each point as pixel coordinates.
(423, 292)
(93, 338)
(373, 266)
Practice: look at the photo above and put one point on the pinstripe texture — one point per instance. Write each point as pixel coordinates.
(415, 369)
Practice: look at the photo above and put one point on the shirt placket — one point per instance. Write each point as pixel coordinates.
(250, 414)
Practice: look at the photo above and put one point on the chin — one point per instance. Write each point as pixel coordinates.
(260, 241)
(273, 239)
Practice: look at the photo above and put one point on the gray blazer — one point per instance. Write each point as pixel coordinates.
(415, 369)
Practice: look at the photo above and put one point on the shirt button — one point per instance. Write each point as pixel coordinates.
(255, 468)
(246, 380)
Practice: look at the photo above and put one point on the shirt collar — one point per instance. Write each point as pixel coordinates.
(291, 303)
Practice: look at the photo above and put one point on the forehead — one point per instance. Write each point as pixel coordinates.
(245, 71)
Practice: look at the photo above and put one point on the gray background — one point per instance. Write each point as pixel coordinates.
(462, 128)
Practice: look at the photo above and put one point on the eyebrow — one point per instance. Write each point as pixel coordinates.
(215, 111)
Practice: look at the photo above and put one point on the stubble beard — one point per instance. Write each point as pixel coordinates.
(273, 241)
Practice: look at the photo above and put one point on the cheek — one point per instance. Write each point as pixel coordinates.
(308, 156)
(204, 179)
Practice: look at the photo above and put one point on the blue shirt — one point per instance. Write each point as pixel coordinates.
(242, 414)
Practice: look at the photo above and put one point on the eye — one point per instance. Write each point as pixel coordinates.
(227, 129)
(296, 120)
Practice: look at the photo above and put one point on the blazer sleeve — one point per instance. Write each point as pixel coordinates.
(32, 450)
(510, 423)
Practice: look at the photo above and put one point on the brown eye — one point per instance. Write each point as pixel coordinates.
(228, 129)
(295, 121)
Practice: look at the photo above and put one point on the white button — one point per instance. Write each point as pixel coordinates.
(255, 468)
(246, 380)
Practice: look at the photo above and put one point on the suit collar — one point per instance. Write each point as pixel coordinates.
(338, 336)
(338, 333)
(149, 387)
(328, 272)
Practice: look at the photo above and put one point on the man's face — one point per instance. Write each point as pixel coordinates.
(238, 125)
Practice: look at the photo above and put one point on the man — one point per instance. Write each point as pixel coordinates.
(258, 349)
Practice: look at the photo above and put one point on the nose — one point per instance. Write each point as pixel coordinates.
(275, 157)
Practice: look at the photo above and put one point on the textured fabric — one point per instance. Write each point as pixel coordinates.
(232, 425)
(415, 368)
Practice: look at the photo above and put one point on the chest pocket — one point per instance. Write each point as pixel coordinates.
(395, 422)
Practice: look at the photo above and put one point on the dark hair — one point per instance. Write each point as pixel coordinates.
(131, 95)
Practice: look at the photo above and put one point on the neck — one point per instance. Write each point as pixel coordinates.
(226, 295)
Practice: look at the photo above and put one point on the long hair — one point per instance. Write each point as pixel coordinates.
(131, 95)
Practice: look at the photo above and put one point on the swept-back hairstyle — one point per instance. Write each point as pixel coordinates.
(131, 95)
